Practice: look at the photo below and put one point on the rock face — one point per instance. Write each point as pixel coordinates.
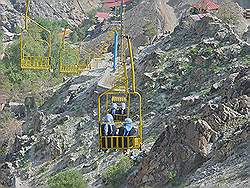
(227, 166)
(157, 12)
(203, 107)
(7, 177)
(72, 11)
(143, 20)
(8, 18)
(181, 149)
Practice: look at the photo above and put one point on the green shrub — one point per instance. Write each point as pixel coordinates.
(208, 51)
(3, 151)
(67, 179)
(246, 60)
(150, 29)
(186, 66)
(74, 37)
(117, 173)
(171, 174)
(174, 180)
(55, 27)
(217, 68)
(193, 52)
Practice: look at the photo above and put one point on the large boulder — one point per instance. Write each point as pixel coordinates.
(7, 176)
(178, 151)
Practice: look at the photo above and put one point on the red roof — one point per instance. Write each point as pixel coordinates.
(113, 3)
(206, 5)
(103, 15)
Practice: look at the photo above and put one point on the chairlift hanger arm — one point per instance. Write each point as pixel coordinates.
(33, 21)
(26, 14)
(132, 65)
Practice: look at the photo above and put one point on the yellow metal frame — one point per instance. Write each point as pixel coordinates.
(133, 142)
(31, 62)
(69, 68)
(118, 99)
(121, 93)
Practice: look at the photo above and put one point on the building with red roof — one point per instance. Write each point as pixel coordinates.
(102, 15)
(113, 3)
(206, 5)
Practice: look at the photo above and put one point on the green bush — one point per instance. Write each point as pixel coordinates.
(5, 116)
(34, 47)
(67, 179)
(209, 51)
(74, 37)
(193, 52)
(117, 173)
(186, 66)
(246, 60)
(3, 151)
(54, 26)
(150, 29)
(171, 174)
(70, 55)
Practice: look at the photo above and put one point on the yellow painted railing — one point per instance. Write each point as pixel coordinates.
(69, 57)
(120, 142)
(35, 51)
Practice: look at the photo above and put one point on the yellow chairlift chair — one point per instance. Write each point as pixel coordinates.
(69, 57)
(35, 45)
(122, 93)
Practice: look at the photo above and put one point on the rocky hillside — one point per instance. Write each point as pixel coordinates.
(198, 83)
(195, 88)
(156, 15)
(72, 11)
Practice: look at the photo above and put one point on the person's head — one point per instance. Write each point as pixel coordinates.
(114, 106)
(128, 121)
(109, 118)
(123, 106)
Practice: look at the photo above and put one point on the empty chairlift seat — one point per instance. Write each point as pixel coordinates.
(35, 47)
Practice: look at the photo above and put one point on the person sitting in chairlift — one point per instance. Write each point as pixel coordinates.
(127, 126)
(109, 128)
(114, 109)
(126, 130)
(123, 109)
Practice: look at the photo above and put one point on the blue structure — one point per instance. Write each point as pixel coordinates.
(121, 8)
(115, 50)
